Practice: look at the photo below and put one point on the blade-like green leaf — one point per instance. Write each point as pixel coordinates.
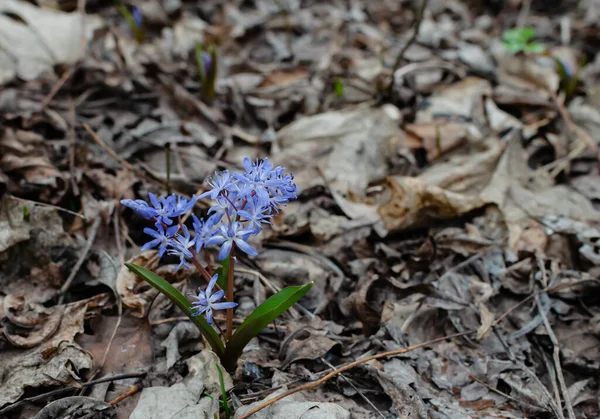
(259, 319)
(180, 301)
(223, 272)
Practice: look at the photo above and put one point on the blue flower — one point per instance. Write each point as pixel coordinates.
(181, 205)
(137, 16)
(162, 207)
(230, 234)
(161, 237)
(207, 63)
(141, 207)
(255, 213)
(220, 183)
(207, 302)
(180, 246)
(205, 229)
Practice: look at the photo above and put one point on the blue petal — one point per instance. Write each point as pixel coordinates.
(151, 244)
(217, 296)
(223, 306)
(211, 285)
(245, 247)
(225, 249)
(209, 316)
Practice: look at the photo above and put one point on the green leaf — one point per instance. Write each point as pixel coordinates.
(224, 403)
(180, 301)
(264, 314)
(339, 87)
(535, 47)
(223, 272)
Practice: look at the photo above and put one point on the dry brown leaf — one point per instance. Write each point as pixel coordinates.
(313, 346)
(413, 204)
(128, 284)
(487, 320)
(56, 361)
(281, 78)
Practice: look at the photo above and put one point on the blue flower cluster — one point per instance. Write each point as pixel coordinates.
(243, 203)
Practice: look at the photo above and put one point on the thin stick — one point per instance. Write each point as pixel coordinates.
(132, 390)
(412, 39)
(317, 383)
(111, 152)
(81, 259)
(168, 157)
(230, 274)
(556, 356)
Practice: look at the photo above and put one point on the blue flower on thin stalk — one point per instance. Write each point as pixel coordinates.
(162, 208)
(230, 234)
(181, 205)
(205, 229)
(161, 239)
(255, 213)
(206, 302)
(180, 246)
(221, 182)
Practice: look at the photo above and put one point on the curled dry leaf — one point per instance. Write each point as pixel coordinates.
(307, 344)
(42, 326)
(414, 204)
(487, 320)
(128, 284)
(56, 361)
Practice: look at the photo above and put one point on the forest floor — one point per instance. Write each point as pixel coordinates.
(446, 155)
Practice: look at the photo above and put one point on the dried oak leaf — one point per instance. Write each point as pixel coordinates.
(56, 361)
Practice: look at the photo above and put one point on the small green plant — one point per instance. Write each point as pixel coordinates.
(207, 61)
(223, 403)
(244, 202)
(227, 409)
(568, 78)
(338, 87)
(521, 40)
(133, 18)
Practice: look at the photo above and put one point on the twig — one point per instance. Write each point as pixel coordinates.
(66, 389)
(43, 204)
(412, 39)
(132, 390)
(111, 152)
(508, 396)
(553, 381)
(317, 383)
(72, 142)
(365, 398)
(530, 373)
(556, 356)
(81, 259)
(276, 289)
